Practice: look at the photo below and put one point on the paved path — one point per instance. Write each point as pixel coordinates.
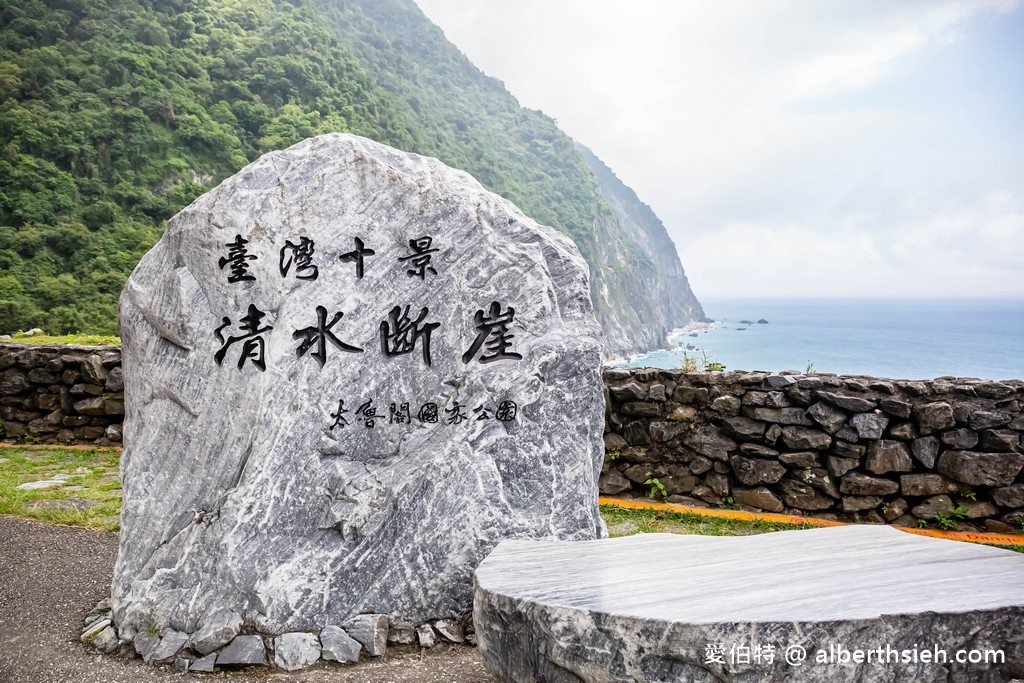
(51, 576)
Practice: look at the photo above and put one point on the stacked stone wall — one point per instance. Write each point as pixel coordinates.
(61, 394)
(948, 452)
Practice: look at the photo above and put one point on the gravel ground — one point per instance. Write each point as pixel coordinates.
(51, 576)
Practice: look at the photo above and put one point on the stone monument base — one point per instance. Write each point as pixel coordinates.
(856, 603)
(221, 646)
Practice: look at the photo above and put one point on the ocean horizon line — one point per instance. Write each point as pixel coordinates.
(936, 299)
(903, 338)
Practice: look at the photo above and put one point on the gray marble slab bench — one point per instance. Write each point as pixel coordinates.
(854, 603)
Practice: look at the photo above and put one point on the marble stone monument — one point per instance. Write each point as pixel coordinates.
(785, 606)
(349, 373)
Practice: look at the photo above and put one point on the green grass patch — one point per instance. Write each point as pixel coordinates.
(81, 339)
(90, 495)
(623, 521)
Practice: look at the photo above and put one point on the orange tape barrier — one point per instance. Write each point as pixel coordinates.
(975, 537)
(996, 539)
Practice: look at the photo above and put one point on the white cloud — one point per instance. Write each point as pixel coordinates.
(975, 249)
(779, 127)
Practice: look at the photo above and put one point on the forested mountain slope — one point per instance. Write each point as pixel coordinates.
(659, 284)
(114, 114)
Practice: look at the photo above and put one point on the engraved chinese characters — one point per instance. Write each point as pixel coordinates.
(357, 255)
(253, 343)
(301, 255)
(236, 260)
(319, 335)
(399, 333)
(495, 328)
(504, 412)
(349, 373)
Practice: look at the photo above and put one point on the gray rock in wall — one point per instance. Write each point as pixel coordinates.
(613, 483)
(802, 459)
(904, 431)
(860, 503)
(294, 651)
(849, 451)
(760, 451)
(959, 439)
(339, 646)
(754, 471)
(1010, 496)
(216, 630)
(425, 636)
(709, 441)
(743, 428)
(978, 509)
(981, 469)
(987, 419)
(999, 441)
(936, 505)
(926, 450)
(799, 438)
(896, 407)
(800, 495)
(934, 417)
(13, 381)
(204, 664)
(93, 371)
(759, 497)
(840, 466)
(401, 633)
(886, 455)
(853, 403)
(926, 485)
(827, 416)
(171, 643)
(995, 390)
(869, 425)
(311, 436)
(371, 631)
(243, 651)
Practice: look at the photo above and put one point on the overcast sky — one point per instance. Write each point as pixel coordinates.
(832, 148)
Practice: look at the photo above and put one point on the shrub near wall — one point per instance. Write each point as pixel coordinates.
(61, 394)
(946, 451)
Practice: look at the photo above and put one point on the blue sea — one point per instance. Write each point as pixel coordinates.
(899, 339)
